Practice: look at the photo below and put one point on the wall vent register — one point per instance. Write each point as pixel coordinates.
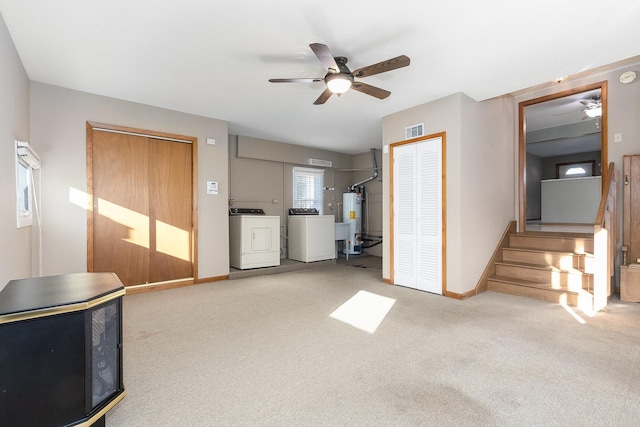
(414, 131)
(321, 162)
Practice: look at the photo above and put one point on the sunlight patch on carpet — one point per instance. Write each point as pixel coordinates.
(364, 311)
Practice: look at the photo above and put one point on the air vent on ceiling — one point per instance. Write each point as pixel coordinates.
(320, 162)
(414, 131)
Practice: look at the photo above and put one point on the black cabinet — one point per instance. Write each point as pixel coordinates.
(60, 349)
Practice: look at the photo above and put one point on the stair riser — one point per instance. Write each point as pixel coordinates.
(561, 261)
(568, 298)
(573, 281)
(543, 243)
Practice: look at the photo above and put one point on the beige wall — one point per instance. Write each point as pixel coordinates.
(261, 176)
(58, 131)
(479, 179)
(486, 189)
(16, 244)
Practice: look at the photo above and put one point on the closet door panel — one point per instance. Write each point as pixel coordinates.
(404, 212)
(170, 211)
(631, 224)
(121, 206)
(429, 204)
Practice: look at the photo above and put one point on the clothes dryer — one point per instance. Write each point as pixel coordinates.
(254, 239)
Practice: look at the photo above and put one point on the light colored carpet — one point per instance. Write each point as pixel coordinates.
(264, 351)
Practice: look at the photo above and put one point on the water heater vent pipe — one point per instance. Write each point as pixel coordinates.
(371, 178)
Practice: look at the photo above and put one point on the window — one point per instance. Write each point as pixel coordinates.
(308, 188)
(26, 161)
(575, 169)
(23, 193)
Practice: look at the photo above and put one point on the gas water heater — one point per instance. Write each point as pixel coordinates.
(352, 214)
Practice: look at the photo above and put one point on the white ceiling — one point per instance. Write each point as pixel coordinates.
(214, 58)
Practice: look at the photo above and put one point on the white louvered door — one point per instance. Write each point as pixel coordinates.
(429, 215)
(404, 221)
(418, 215)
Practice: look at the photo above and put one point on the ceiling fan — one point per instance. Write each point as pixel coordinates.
(590, 108)
(340, 79)
(593, 107)
(593, 102)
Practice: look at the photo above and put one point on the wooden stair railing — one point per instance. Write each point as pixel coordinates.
(605, 239)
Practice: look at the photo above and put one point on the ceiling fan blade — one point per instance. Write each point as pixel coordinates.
(370, 90)
(568, 112)
(325, 56)
(323, 97)
(384, 66)
(300, 80)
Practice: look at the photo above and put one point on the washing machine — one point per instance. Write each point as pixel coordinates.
(254, 239)
(311, 235)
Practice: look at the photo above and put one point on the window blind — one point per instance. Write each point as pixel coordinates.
(308, 188)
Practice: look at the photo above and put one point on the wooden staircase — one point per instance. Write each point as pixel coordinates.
(554, 267)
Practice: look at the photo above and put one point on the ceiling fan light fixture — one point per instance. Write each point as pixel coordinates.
(339, 79)
(339, 83)
(594, 112)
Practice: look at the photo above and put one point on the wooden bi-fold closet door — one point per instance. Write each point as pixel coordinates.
(142, 207)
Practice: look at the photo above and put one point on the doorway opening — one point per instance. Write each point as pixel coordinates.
(562, 157)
